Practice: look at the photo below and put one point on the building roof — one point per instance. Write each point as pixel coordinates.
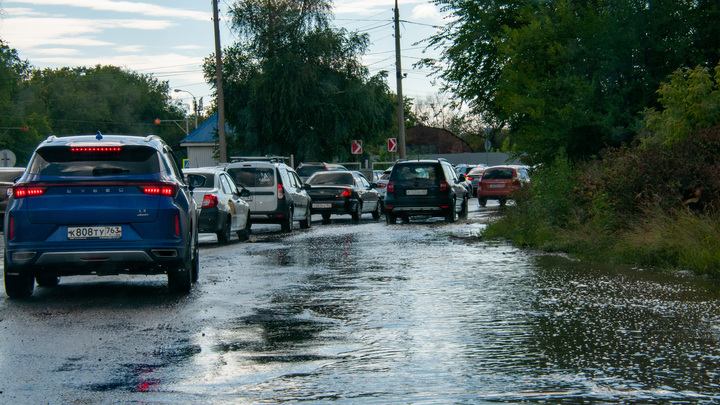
(205, 133)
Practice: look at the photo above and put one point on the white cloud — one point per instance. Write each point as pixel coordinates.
(17, 12)
(370, 7)
(27, 33)
(426, 12)
(130, 48)
(125, 7)
(60, 51)
(188, 47)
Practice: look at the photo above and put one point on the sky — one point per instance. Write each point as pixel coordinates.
(170, 38)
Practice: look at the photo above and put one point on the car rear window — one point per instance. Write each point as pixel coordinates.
(253, 176)
(308, 170)
(498, 174)
(332, 179)
(476, 171)
(414, 172)
(65, 161)
(202, 180)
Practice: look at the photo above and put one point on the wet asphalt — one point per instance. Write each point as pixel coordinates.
(425, 312)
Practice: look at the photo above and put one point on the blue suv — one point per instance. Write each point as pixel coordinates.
(101, 205)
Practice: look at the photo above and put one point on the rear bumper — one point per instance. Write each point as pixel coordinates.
(336, 207)
(418, 206)
(211, 220)
(37, 262)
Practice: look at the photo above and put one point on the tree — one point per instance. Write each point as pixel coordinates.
(85, 100)
(14, 74)
(690, 100)
(294, 85)
(569, 75)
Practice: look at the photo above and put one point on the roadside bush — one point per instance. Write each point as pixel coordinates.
(541, 208)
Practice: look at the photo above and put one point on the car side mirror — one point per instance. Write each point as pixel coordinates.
(373, 185)
(244, 193)
(462, 177)
(306, 186)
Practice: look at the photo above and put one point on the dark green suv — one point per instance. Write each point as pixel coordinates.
(429, 188)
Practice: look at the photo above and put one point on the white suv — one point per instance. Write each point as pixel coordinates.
(276, 196)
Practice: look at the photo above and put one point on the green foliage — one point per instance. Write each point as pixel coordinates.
(542, 208)
(81, 100)
(691, 99)
(296, 86)
(85, 100)
(566, 75)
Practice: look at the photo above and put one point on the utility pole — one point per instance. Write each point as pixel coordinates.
(219, 86)
(398, 69)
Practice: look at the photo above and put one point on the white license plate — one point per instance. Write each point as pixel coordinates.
(94, 232)
(322, 205)
(500, 185)
(416, 192)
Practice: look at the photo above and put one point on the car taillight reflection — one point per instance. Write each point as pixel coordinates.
(281, 192)
(346, 193)
(444, 185)
(210, 201)
(391, 187)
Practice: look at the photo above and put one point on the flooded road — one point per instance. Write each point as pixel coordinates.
(424, 313)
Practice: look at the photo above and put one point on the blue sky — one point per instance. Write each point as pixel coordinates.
(170, 38)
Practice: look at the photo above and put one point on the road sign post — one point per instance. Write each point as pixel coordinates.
(356, 147)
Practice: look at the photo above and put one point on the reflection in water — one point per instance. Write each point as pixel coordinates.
(409, 315)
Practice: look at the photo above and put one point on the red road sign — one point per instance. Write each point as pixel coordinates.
(392, 144)
(356, 147)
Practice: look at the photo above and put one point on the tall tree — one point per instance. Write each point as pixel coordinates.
(85, 100)
(295, 85)
(19, 131)
(568, 75)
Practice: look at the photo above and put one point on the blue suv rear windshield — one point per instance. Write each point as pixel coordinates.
(66, 161)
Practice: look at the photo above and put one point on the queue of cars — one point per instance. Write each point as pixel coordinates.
(117, 204)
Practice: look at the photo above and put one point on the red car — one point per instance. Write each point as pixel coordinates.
(499, 182)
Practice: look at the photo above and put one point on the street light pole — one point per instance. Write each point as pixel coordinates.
(195, 111)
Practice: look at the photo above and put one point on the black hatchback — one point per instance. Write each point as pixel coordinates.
(425, 188)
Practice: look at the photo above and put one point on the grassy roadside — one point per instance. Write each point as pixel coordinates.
(617, 210)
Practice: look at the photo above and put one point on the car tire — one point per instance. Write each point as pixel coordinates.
(223, 235)
(325, 217)
(451, 214)
(378, 210)
(503, 201)
(464, 209)
(244, 234)
(180, 278)
(482, 202)
(47, 281)
(287, 224)
(305, 222)
(357, 213)
(390, 218)
(17, 286)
